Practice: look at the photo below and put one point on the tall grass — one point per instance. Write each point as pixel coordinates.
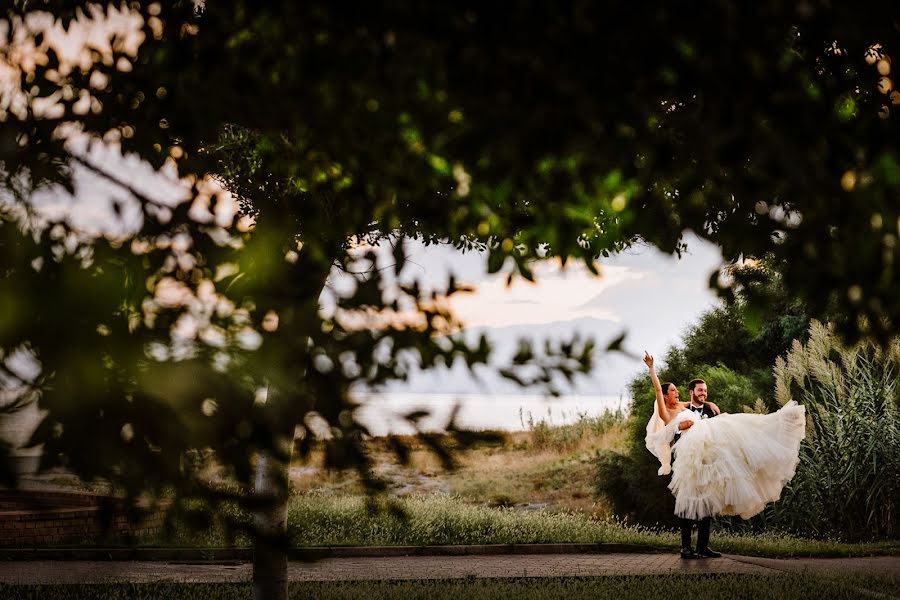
(546, 435)
(447, 520)
(315, 521)
(442, 520)
(848, 481)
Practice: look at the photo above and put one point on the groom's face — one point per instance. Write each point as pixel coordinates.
(699, 393)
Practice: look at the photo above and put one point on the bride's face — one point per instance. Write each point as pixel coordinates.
(672, 396)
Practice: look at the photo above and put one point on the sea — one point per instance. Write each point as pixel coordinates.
(383, 413)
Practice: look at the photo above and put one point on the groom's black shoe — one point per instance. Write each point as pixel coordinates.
(707, 553)
(688, 553)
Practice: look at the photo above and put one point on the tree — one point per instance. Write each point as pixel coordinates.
(745, 336)
(760, 129)
(532, 130)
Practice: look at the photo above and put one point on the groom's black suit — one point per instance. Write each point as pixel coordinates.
(703, 524)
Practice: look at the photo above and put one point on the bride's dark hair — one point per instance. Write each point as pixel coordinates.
(665, 387)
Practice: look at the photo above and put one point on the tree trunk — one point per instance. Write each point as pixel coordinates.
(270, 523)
(307, 276)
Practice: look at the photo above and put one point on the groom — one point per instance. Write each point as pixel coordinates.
(698, 393)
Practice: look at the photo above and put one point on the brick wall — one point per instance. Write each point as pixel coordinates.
(37, 518)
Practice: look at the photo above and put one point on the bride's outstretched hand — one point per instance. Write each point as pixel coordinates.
(648, 360)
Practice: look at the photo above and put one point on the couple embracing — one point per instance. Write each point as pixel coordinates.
(734, 464)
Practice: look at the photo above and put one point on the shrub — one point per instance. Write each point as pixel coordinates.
(630, 483)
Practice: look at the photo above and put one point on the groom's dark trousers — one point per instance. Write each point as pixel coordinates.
(702, 533)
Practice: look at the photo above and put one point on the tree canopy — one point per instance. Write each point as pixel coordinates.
(579, 126)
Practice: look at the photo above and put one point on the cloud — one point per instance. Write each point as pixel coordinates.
(650, 295)
(559, 294)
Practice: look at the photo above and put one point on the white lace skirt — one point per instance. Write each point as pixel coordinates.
(735, 464)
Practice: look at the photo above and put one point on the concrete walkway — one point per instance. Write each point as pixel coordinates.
(429, 567)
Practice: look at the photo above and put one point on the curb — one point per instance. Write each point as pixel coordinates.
(215, 555)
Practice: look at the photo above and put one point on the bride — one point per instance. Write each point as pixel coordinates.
(734, 464)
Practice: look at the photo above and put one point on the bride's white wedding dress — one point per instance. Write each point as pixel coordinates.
(733, 464)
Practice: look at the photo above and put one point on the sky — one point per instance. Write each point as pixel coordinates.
(647, 294)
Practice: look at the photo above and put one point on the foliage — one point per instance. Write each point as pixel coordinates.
(848, 479)
(733, 391)
(741, 336)
(195, 339)
(846, 482)
(629, 483)
(390, 113)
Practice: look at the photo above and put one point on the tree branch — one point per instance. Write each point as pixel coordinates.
(143, 198)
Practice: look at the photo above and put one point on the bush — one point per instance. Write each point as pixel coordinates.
(630, 483)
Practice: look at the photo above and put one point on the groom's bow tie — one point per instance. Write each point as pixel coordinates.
(698, 409)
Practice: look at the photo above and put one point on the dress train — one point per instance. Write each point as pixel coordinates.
(733, 464)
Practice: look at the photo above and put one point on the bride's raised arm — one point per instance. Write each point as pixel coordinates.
(663, 410)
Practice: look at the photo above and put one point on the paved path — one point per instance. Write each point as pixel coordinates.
(427, 567)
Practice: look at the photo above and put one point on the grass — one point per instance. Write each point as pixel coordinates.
(434, 521)
(448, 520)
(546, 465)
(481, 502)
(782, 587)
(544, 434)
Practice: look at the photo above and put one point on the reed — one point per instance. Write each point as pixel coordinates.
(847, 484)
